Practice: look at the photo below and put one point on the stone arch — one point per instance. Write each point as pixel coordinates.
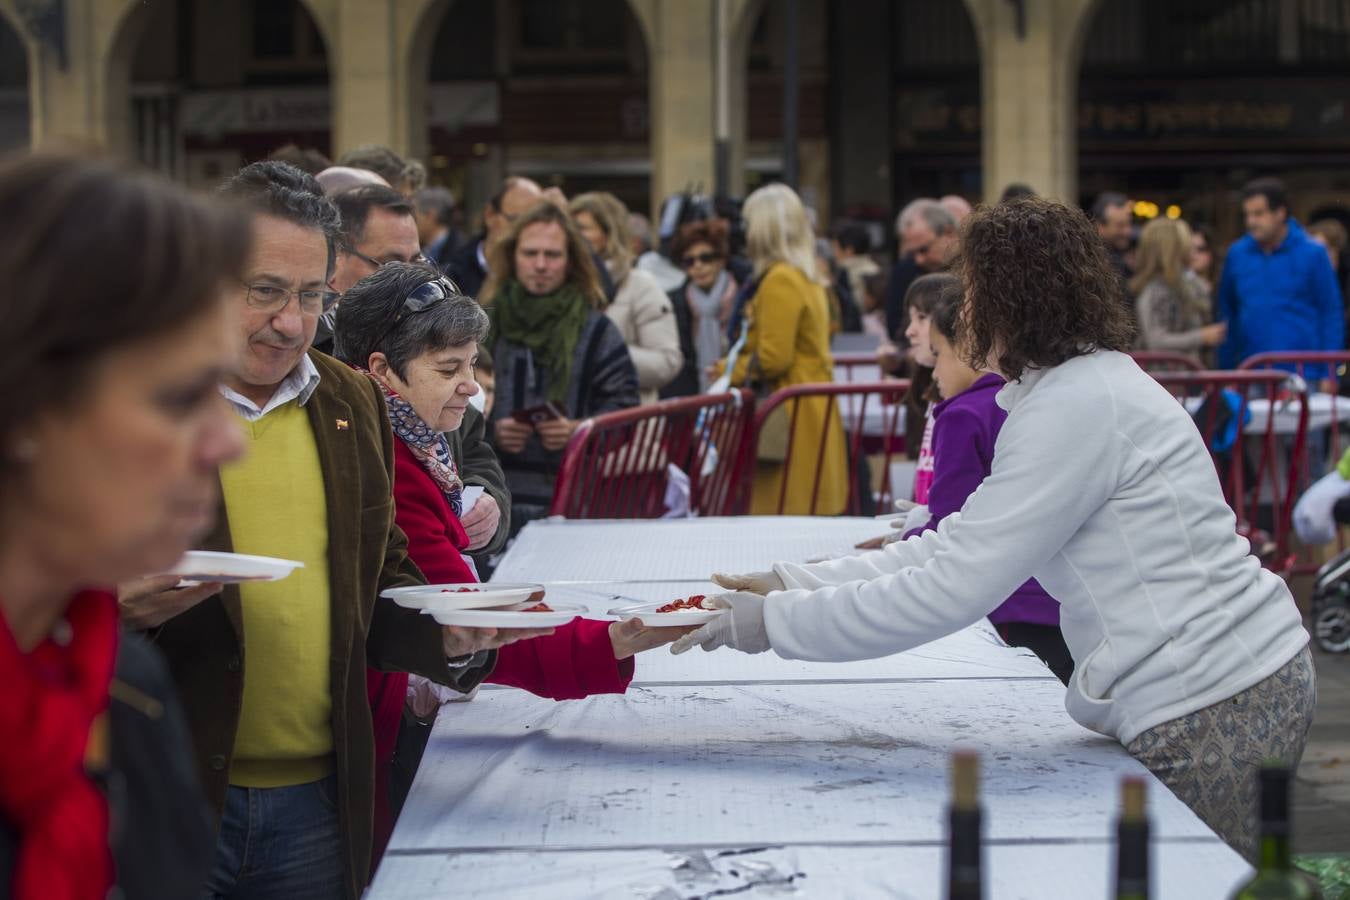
(743, 20)
(117, 32)
(420, 38)
(525, 128)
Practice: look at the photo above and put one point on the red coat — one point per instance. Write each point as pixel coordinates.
(54, 711)
(575, 661)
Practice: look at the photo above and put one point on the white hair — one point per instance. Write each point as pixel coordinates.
(957, 205)
(931, 211)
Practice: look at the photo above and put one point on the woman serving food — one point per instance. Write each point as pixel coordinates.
(1101, 488)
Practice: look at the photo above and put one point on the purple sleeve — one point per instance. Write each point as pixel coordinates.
(962, 455)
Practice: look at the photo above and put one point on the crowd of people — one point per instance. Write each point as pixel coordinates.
(315, 364)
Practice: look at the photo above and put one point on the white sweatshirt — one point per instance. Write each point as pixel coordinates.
(1101, 489)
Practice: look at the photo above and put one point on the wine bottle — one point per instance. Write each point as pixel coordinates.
(964, 869)
(1276, 878)
(1132, 878)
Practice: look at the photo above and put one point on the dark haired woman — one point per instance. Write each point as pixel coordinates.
(111, 432)
(703, 304)
(1185, 649)
(417, 338)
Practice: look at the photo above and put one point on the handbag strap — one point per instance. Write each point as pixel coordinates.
(723, 384)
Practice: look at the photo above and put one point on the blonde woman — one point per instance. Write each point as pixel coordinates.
(641, 310)
(1170, 300)
(788, 343)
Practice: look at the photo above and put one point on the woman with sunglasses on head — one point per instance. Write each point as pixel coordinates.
(417, 337)
(703, 304)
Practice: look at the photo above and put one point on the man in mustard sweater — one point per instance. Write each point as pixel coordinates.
(273, 674)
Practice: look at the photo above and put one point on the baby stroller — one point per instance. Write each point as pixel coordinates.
(1331, 595)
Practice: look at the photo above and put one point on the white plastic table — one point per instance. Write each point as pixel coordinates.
(725, 772)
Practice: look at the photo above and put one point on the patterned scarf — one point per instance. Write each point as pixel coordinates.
(428, 445)
(711, 309)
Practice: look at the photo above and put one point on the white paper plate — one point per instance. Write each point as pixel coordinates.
(647, 613)
(450, 596)
(508, 618)
(206, 566)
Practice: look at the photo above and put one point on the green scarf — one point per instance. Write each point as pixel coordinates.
(549, 325)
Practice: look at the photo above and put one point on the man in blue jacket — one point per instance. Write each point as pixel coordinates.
(1278, 291)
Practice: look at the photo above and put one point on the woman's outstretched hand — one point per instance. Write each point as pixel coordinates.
(741, 627)
(754, 582)
(631, 637)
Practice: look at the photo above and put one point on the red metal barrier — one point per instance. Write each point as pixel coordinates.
(1261, 472)
(1153, 361)
(615, 465)
(1297, 361)
(1326, 444)
(868, 415)
(857, 367)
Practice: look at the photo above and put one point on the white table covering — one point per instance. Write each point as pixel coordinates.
(974, 652)
(1183, 870)
(675, 549)
(750, 764)
(767, 777)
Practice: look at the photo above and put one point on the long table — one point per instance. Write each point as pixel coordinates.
(724, 772)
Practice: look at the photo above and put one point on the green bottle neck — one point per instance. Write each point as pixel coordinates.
(1275, 856)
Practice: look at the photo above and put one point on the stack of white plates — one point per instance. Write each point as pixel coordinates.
(485, 605)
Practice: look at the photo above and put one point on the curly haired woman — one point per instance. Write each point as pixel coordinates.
(1185, 649)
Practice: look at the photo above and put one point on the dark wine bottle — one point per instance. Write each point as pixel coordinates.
(965, 876)
(1276, 878)
(1132, 877)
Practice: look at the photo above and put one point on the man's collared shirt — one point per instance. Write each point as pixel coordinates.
(300, 384)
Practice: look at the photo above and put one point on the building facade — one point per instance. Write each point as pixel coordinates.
(1171, 100)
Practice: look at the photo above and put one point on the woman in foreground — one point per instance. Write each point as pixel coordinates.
(117, 332)
(1185, 649)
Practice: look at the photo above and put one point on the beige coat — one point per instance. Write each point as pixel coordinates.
(643, 314)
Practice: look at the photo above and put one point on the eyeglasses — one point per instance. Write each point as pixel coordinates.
(271, 298)
(418, 260)
(922, 249)
(420, 300)
(704, 258)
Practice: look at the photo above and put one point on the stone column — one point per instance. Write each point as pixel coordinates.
(681, 50)
(362, 72)
(378, 54)
(1030, 93)
(86, 100)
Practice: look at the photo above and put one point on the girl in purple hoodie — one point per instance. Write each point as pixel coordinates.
(965, 426)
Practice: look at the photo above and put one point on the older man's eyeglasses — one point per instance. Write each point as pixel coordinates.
(271, 298)
(418, 260)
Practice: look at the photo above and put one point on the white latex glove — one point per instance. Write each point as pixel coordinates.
(754, 582)
(916, 518)
(740, 628)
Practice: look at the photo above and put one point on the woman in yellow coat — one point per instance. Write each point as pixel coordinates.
(789, 343)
